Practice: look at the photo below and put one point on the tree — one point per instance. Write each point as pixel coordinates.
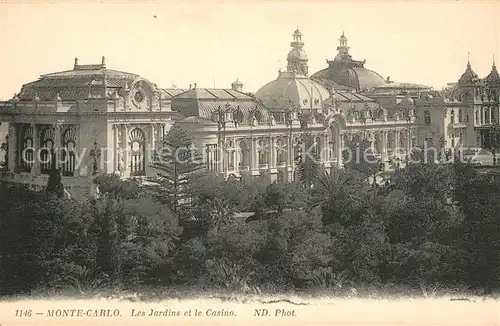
(176, 164)
(54, 184)
(113, 186)
(308, 161)
(359, 156)
(217, 199)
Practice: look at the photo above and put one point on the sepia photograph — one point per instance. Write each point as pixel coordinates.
(271, 162)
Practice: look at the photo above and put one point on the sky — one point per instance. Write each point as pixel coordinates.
(214, 43)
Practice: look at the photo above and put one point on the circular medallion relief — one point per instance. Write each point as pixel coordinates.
(139, 96)
(136, 146)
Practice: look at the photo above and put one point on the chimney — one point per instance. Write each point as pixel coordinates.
(194, 85)
(76, 63)
(103, 61)
(190, 86)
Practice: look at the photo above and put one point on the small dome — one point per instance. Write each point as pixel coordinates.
(286, 91)
(493, 78)
(338, 57)
(297, 54)
(469, 76)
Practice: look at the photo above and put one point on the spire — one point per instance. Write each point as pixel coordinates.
(469, 76)
(493, 78)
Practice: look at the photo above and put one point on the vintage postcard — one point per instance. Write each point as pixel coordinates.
(249, 162)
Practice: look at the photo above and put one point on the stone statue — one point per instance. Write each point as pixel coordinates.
(121, 162)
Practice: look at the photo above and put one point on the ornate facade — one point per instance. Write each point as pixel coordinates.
(107, 121)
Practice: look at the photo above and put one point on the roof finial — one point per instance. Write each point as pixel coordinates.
(468, 58)
(494, 60)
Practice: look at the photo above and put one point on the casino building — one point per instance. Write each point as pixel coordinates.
(108, 121)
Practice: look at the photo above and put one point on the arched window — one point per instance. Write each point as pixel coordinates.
(390, 140)
(68, 152)
(297, 151)
(427, 117)
(27, 152)
(280, 152)
(402, 139)
(138, 155)
(244, 154)
(263, 152)
(378, 144)
(317, 149)
(452, 115)
(46, 149)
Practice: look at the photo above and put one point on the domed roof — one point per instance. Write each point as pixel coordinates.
(290, 89)
(345, 71)
(356, 77)
(469, 76)
(297, 54)
(493, 78)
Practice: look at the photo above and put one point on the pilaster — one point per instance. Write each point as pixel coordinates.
(35, 168)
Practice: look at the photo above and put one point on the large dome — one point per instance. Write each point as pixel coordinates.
(357, 78)
(289, 89)
(345, 71)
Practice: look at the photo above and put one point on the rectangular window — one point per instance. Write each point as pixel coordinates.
(427, 117)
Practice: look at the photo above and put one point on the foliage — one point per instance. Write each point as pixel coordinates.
(111, 185)
(427, 224)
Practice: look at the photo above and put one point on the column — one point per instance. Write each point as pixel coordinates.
(272, 152)
(384, 145)
(325, 149)
(339, 143)
(125, 149)
(150, 153)
(254, 157)
(77, 150)
(237, 154)
(289, 152)
(35, 169)
(489, 114)
(57, 143)
(397, 142)
(117, 148)
(11, 163)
